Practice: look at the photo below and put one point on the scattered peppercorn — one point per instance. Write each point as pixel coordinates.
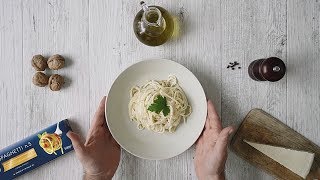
(232, 65)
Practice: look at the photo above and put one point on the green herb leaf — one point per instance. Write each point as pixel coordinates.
(166, 111)
(158, 105)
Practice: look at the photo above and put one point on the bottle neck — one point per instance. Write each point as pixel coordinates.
(152, 22)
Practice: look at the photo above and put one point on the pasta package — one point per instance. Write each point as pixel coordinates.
(35, 150)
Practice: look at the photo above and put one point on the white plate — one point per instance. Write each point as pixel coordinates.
(144, 143)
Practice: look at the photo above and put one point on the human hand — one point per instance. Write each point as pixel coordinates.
(211, 147)
(100, 154)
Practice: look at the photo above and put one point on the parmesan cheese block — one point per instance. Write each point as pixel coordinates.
(298, 162)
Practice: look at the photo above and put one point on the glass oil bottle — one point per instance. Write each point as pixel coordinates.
(153, 25)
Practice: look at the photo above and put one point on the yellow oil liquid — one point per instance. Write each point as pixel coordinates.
(154, 40)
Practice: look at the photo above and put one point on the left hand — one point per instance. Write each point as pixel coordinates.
(100, 154)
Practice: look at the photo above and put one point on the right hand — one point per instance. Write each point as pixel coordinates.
(211, 147)
(100, 154)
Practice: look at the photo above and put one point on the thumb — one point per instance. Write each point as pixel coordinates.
(76, 143)
(222, 142)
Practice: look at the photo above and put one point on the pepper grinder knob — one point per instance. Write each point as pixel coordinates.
(270, 69)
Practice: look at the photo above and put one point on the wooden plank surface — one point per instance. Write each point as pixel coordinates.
(51, 27)
(98, 41)
(11, 77)
(250, 30)
(303, 91)
(260, 127)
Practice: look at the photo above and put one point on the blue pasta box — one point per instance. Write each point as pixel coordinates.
(35, 150)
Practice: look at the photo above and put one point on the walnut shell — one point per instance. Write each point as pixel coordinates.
(55, 82)
(56, 62)
(40, 79)
(39, 63)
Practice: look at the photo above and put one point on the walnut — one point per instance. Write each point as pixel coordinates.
(56, 62)
(55, 82)
(40, 79)
(39, 63)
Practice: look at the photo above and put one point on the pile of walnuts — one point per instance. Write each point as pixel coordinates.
(40, 79)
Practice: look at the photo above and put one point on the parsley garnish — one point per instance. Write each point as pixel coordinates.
(160, 104)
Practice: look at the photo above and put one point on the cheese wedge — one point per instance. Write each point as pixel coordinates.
(299, 162)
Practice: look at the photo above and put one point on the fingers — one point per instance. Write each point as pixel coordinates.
(99, 117)
(207, 125)
(199, 140)
(222, 142)
(76, 143)
(115, 143)
(214, 120)
(99, 121)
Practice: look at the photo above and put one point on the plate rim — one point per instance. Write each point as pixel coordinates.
(143, 61)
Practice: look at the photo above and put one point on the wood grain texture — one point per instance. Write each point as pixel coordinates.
(303, 91)
(11, 77)
(56, 27)
(97, 39)
(262, 128)
(251, 30)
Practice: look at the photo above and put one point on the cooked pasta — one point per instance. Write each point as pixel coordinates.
(50, 143)
(141, 98)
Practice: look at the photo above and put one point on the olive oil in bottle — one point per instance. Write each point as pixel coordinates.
(153, 25)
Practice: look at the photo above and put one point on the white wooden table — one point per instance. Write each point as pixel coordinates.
(97, 39)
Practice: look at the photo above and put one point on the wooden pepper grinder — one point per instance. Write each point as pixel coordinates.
(270, 69)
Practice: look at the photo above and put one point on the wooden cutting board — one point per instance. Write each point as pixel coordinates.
(260, 127)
